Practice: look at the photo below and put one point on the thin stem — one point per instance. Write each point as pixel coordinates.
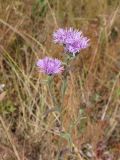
(51, 87)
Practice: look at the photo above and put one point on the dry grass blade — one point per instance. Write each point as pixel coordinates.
(110, 97)
(10, 138)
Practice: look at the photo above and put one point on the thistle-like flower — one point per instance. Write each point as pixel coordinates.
(59, 36)
(72, 39)
(50, 66)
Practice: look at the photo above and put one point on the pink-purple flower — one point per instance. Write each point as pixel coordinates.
(60, 36)
(72, 39)
(50, 66)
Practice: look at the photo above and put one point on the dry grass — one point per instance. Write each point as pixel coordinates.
(30, 124)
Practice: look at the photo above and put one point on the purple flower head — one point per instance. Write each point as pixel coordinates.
(76, 44)
(50, 66)
(59, 36)
(72, 39)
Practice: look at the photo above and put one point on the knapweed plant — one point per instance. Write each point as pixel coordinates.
(73, 42)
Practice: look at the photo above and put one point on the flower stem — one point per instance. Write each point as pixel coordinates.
(51, 87)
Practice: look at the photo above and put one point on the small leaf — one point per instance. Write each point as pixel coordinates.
(118, 92)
